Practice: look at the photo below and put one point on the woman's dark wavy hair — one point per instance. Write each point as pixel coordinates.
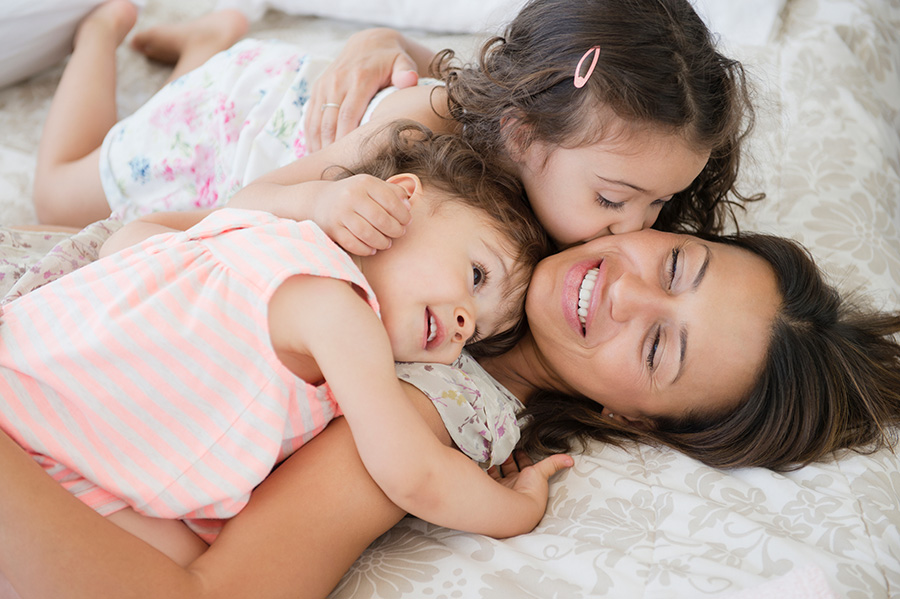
(658, 70)
(450, 164)
(830, 381)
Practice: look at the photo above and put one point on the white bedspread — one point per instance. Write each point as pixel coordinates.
(652, 523)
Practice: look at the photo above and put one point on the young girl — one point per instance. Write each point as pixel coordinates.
(172, 376)
(614, 114)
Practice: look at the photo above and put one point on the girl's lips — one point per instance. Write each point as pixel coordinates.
(434, 331)
(571, 289)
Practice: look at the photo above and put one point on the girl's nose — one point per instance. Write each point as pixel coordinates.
(633, 220)
(464, 325)
(631, 297)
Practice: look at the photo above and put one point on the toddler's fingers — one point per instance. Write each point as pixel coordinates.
(352, 244)
(377, 220)
(510, 466)
(361, 228)
(553, 464)
(395, 202)
(523, 459)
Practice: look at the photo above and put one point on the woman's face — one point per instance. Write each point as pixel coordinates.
(653, 324)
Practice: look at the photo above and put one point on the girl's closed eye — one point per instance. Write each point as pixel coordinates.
(609, 203)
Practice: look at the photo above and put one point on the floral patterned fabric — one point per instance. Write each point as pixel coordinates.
(31, 259)
(646, 522)
(479, 413)
(210, 132)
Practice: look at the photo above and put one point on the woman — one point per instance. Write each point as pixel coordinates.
(735, 352)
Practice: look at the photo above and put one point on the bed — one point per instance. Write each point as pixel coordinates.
(647, 522)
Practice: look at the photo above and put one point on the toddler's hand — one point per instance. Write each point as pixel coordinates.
(362, 213)
(529, 479)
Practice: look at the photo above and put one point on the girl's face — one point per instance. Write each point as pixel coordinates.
(607, 188)
(445, 282)
(653, 324)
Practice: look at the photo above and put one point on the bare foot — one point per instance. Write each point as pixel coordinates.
(210, 33)
(115, 17)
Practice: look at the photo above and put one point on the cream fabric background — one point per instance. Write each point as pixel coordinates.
(651, 523)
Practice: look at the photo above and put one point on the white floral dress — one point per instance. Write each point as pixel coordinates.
(209, 133)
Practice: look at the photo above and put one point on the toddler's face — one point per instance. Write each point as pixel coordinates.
(607, 188)
(442, 280)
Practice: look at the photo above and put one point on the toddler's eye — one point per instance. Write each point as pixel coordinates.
(479, 275)
(610, 204)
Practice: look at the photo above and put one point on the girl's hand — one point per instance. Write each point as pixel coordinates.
(370, 61)
(362, 213)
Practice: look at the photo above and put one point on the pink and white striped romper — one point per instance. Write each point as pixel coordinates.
(148, 378)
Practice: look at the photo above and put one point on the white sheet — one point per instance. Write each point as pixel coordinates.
(654, 523)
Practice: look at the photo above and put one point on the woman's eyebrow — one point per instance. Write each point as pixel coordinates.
(683, 334)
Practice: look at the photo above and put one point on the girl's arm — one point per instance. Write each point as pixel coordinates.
(298, 535)
(294, 190)
(348, 344)
(371, 60)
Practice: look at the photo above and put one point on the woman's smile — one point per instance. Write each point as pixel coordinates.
(582, 293)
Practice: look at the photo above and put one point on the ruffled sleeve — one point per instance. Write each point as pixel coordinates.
(479, 413)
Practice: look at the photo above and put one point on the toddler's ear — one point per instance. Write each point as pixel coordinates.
(410, 183)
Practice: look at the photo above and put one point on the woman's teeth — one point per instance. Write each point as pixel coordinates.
(584, 294)
(432, 329)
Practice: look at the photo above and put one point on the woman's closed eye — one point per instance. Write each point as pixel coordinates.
(673, 267)
(654, 345)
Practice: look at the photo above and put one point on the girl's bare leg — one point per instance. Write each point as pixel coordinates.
(188, 45)
(67, 189)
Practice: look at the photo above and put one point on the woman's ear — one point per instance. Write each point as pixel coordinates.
(642, 424)
(410, 183)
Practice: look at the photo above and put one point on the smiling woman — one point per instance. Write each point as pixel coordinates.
(733, 350)
(659, 323)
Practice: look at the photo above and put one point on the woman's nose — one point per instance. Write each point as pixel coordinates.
(631, 297)
(464, 324)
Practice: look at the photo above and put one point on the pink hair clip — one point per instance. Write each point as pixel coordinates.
(579, 80)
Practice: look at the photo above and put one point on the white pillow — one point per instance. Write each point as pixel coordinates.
(460, 16)
(36, 34)
(740, 22)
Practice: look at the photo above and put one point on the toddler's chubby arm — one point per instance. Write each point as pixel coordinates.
(338, 337)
